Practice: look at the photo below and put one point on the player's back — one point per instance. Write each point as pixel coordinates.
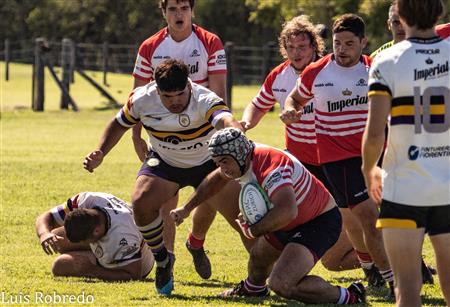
(416, 72)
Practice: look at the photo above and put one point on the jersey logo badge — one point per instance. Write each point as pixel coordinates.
(194, 53)
(347, 92)
(98, 252)
(123, 242)
(152, 162)
(361, 82)
(184, 120)
(429, 61)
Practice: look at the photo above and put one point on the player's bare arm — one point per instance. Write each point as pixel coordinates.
(45, 223)
(209, 187)
(283, 212)
(293, 107)
(228, 121)
(131, 271)
(113, 133)
(217, 84)
(372, 143)
(140, 145)
(251, 117)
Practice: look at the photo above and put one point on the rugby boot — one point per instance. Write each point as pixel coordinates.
(373, 276)
(427, 274)
(241, 290)
(201, 261)
(357, 293)
(164, 277)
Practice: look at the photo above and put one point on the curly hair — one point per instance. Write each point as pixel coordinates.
(296, 26)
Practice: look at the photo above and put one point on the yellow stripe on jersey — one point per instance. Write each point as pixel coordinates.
(396, 223)
(381, 93)
(409, 110)
(126, 112)
(66, 208)
(184, 137)
(214, 109)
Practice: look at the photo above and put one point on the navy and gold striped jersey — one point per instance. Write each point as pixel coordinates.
(181, 139)
(415, 74)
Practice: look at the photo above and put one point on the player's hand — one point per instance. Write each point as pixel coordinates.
(290, 116)
(178, 215)
(49, 243)
(140, 147)
(374, 183)
(93, 160)
(245, 227)
(246, 125)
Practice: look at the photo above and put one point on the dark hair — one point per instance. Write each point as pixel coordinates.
(350, 22)
(171, 75)
(413, 12)
(80, 224)
(163, 3)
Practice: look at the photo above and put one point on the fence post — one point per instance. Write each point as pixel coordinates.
(73, 61)
(105, 62)
(7, 58)
(266, 60)
(66, 61)
(38, 76)
(229, 51)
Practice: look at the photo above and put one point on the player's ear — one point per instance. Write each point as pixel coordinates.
(364, 42)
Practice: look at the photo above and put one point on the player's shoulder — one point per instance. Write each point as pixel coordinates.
(390, 55)
(443, 30)
(204, 95)
(205, 36)
(314, 68)
(278, 70)
(155, 39)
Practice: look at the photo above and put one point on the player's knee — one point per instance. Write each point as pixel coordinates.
(61, 265)
(331, 264)
(281, 286)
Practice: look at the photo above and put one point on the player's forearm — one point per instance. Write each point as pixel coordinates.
(372, 146)
(209, 187)
(44, 224)
(275, 219)
(96, 271)
(252, 115)
(113, 133)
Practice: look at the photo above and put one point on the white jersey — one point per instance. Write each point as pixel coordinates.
(415, 73)
(202, 52)
(300, 136)
(121, 245)
(180, 139)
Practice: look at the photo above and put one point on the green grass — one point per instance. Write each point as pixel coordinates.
(41, 166)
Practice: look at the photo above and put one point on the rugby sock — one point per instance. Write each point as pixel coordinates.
(365, 259)
(388, 276)
(153, 236)
(194, 242)
(251, 288)
(346, 297)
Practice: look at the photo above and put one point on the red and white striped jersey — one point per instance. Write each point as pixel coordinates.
(273, 168)
(300, 136)
(340, 103)
(202, 51)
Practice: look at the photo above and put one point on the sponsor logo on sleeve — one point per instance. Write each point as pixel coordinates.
(273, 179)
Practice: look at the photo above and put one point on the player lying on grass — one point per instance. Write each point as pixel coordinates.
(96, 237)
(302, 225)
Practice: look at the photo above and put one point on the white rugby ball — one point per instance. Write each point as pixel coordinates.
(253, 202)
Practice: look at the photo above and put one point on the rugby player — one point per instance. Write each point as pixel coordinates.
(302, 225)
(179, 117)
(410, 83)
(204, 54)
(96, 237)
(338, 85)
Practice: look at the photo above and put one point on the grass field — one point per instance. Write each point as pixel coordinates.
(41, 166)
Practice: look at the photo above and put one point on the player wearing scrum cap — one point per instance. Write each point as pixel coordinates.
(289, 241)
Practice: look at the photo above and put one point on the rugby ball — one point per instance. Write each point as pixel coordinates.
(253, 202)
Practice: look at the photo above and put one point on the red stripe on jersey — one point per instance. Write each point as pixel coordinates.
(211, 41)
(354, 112)
(200, 81)
(443, 30)
(148, 47)
(217, 72)
(75, 202)
(310, 73)
(336, 148)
